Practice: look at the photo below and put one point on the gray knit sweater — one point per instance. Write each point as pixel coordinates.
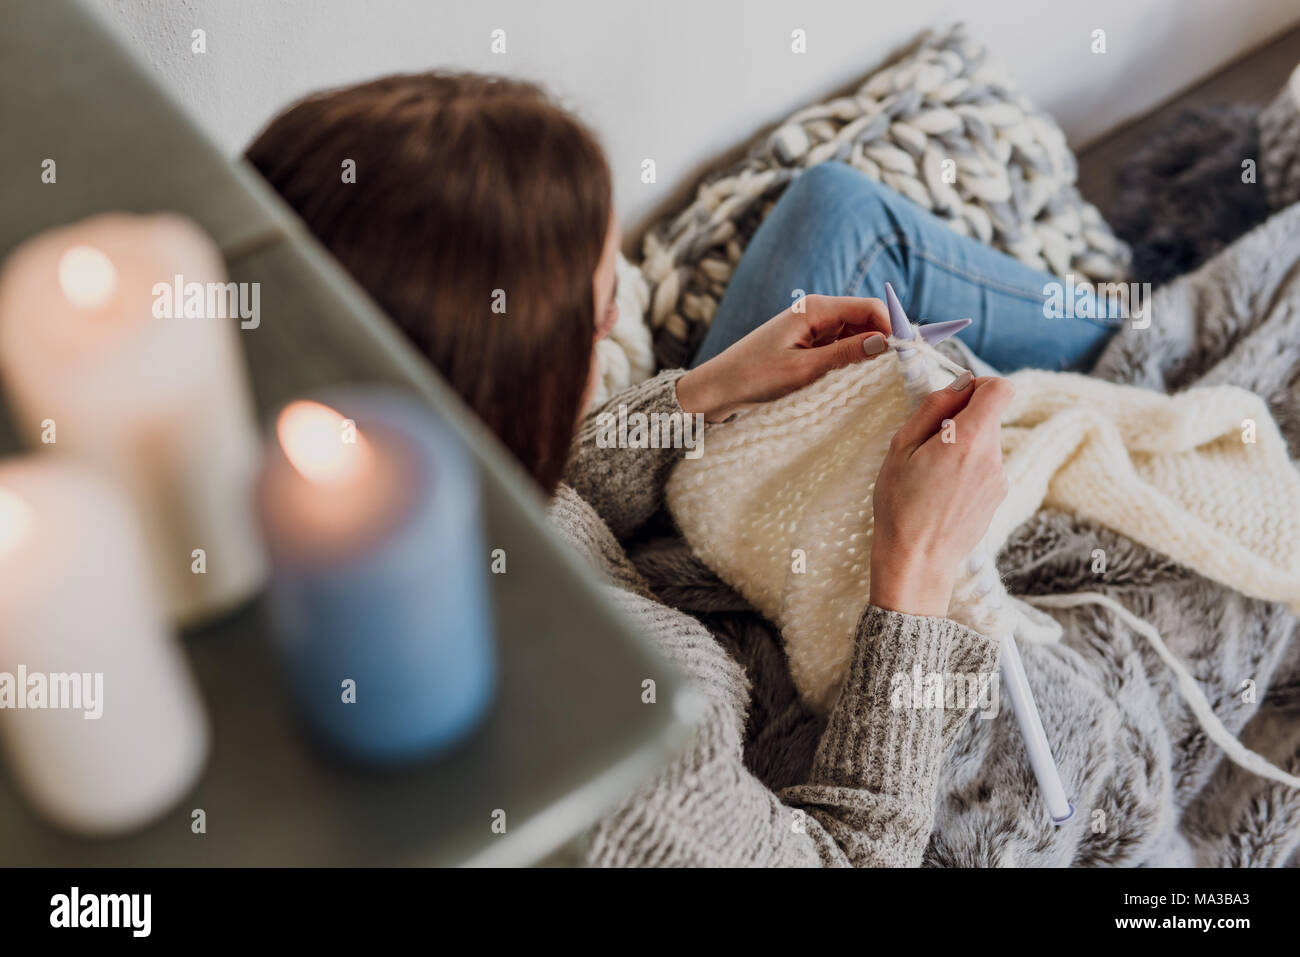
(765, 783)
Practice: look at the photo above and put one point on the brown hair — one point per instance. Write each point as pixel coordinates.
(465, 185)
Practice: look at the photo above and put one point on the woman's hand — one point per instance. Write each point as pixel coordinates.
(786, 353)
(934, 498)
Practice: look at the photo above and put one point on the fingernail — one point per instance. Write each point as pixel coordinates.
(960, 383)
(874, 345)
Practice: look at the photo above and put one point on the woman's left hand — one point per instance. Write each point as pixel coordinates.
(786, 353)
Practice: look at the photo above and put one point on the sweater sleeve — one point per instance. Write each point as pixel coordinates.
(618, 464)
(870, 794)
(874, 780)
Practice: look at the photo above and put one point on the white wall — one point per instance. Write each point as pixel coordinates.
(680, 80)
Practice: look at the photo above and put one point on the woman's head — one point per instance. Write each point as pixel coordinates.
(481, 220)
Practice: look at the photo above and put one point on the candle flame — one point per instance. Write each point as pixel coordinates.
(321, 445)
(15, 520)
(87, 277)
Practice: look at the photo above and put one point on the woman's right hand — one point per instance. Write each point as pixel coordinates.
(936, 494)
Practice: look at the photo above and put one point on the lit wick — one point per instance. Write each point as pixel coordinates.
(15, 520)
(87, 277)
(321, 445)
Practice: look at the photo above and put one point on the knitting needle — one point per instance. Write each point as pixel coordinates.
(935, 332)
(1012, 668)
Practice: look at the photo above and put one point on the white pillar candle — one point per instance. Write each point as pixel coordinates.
(92, 360)
(99, 714)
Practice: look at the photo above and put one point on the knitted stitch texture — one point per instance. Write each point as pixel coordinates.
(780, 503)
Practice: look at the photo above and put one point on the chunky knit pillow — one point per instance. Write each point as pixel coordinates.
(945, 127)
(626, 355)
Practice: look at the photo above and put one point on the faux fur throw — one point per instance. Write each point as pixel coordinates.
(1279, 140)
(780, 504)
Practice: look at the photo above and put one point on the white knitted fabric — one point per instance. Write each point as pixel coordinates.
(780, 503)
(626, 355)
(780, 507)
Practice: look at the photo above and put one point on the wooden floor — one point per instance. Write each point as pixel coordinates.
(1254, 79)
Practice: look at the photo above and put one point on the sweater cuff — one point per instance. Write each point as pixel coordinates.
(656, 394)
(913, 681)
(626, 448)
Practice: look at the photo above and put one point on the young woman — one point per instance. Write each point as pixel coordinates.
(469, 188)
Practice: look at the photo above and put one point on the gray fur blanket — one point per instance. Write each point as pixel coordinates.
(1149, 787)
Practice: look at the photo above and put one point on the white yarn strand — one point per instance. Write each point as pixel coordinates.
(1188, 686)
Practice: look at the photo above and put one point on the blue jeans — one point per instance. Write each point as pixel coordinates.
(838, 233)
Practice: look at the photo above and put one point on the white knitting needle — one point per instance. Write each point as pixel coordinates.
(980, 572)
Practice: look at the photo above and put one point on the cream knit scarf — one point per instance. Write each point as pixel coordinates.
(780, 504)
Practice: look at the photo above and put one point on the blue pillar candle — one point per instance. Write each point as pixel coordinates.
(379, 595)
